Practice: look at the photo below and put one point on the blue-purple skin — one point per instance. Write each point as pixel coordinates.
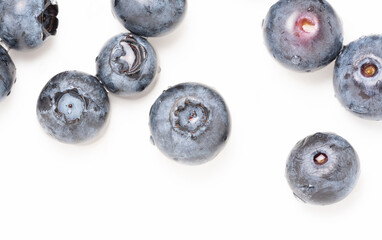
(322, 169)
(25, 24)
(127, 65)
(73, 107)
(303, 35)
(7, 73)
(149, 18)
(358, 77)
(190, 123)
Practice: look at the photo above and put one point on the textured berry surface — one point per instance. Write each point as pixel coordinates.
(190, 123)
(149, 18)
(127, 65)
(73, 107)
(25, 24)
(322, 169)
(7, 73)
(303, 35)
(358, 77)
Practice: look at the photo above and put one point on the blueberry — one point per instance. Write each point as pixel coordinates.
(190, 123)
(25, 24)
(149, 18)
(73, 107)
(322, 169)
(358, 77)
(127, 65)
(7, 73)
(303, 35)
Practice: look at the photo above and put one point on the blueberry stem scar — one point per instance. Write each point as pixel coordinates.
(320, 159)
(369, 70)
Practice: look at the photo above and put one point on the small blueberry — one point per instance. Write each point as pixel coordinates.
(127, 65)
(7, 73)
(358, 77)
(190, 123)
(303, 35)
(322, 169)
(149, 18)
(25, 24)
(73, 107)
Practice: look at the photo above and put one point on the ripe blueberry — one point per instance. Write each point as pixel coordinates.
(127, 65)
(73, 107)
(149, 18)
(303, 35)
(190, 123)
(358, 77)
(25, 24)
(7, 73)
(322, 169)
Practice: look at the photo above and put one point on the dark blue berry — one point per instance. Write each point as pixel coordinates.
(73, 107)
(7, 73)
(127, 65)
(358, 77)
(303, 35)
(149, 18)
(25, 24)
(190, 123)
(322, 169)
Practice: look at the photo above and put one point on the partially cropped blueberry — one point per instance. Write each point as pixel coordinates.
(7, 73)
(25, 24)
(303, 35)
(149, 18)
(127, 65)
(322, 169)
(190, 123)
(358, 77)
(73, 107)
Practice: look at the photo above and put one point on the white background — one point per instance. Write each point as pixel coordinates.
(122, 187)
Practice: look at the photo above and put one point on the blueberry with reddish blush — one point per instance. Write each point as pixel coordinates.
(190, 123)
(127, 65)
(73, 107)
(358, 77)
(303, 35)
(322, 169)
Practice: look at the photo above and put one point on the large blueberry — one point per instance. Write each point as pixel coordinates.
(190, 123)
(73, 107)
(127, 65)
(322, 169)
(149, 18)
(7, 73)
(358, 77)
(303, 35)
(25, 24)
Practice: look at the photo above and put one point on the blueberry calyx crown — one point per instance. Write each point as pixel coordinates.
(48, 18)
(128, 56)
(320, 158)
(71, 105)
(190, 117)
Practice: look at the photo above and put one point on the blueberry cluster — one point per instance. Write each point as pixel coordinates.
(189, 122)
(306, 35)
(24, 25)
